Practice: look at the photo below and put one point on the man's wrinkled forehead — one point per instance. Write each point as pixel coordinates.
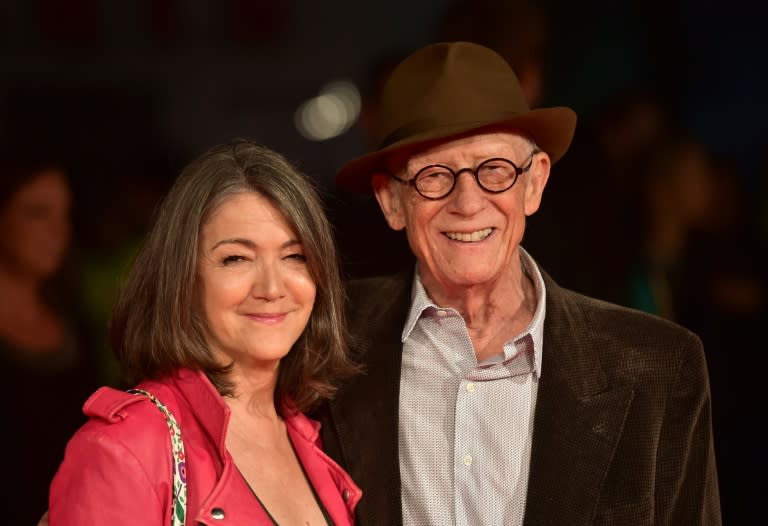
(400, 160)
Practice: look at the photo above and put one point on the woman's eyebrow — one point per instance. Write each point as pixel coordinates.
(250, 244)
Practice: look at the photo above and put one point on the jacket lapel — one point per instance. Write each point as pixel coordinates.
(579, 418)
(365, 414)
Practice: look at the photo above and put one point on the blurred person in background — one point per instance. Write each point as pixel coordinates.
(125, 214)
(699, 263)
(598, 170)
(518, 30)
(677, 196)
(366, 244)
(46, 372)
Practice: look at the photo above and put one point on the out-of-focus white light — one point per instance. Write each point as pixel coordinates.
(347, 93)
(330, 113)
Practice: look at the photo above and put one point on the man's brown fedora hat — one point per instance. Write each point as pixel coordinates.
(447, 90)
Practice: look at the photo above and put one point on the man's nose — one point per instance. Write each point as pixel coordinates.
(468, 197)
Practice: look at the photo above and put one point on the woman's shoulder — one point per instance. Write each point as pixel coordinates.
(126, 416)
(122, 429)
(123, 446)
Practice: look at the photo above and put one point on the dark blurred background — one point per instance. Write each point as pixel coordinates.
(661, 204)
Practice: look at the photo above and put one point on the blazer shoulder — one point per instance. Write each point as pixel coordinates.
(617, 326)
(388, 283)
(377, 304)
(636, 322)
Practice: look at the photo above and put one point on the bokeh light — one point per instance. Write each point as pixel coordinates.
(329, 114)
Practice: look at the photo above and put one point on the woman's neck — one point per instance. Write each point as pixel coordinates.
(25, 319)
(254, 392)
(19, 290)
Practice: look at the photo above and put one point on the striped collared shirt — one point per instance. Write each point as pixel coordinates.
(465, 427)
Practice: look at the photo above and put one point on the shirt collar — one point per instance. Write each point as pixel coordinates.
(420, 301)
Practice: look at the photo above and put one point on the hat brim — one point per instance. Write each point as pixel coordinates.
(552, 129)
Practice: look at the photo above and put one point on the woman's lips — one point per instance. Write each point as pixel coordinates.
(268, 318)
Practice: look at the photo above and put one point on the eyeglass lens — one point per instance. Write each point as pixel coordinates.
(493, 175)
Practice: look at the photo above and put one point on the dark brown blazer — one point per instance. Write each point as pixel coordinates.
(622, 431)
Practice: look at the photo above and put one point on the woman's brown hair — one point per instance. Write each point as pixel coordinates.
(156, 328)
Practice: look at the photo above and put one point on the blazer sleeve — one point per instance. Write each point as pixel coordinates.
(685, 455)
(101, 481)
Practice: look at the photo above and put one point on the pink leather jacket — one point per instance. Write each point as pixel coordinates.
(117, 468)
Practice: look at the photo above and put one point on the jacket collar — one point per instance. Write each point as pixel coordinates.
(203, 396)
(200, 393)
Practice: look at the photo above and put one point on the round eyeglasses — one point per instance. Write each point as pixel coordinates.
(494, 175)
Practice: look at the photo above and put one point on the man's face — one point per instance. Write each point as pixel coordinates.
(470, 237)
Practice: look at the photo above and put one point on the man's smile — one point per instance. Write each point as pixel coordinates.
(469, 237)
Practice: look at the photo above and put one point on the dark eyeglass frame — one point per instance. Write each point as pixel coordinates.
(455, 173)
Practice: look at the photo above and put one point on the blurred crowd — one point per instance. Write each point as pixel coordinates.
(639, 212)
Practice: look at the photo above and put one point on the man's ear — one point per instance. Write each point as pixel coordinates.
(389, 200)
(538, 175)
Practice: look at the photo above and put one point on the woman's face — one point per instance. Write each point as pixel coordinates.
(35, 226)
(255, 288)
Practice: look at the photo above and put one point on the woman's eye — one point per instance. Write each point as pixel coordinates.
(232, 259)
(297, 257)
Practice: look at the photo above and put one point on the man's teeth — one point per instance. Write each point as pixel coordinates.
(478, 235)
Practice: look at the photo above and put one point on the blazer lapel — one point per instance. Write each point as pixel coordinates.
(365, 414)
(578, 421)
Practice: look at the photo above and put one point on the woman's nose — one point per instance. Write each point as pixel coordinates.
(268, 283)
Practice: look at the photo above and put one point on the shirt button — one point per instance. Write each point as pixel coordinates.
(471, 387)
(442, 313)
(217, 513)
(467, 460)
(345, 495)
